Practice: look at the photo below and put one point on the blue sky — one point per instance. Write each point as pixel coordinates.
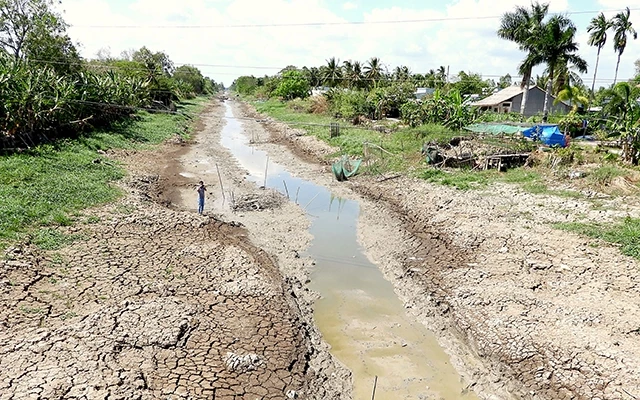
(463, 39)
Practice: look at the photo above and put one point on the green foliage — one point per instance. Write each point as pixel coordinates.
(52, 239)
(293, 84)
(47, 184)
(350, 103)
(471, 83)
(461, 180)
(191, 76)
(446, 109)
(387, 101)
(605, 174)
(625, 233)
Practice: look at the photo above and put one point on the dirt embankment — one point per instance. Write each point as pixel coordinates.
(155, 302)
(525, 310)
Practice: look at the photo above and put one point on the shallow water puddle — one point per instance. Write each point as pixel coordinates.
(359, 314)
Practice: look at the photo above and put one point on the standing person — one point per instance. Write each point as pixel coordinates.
(201, 191)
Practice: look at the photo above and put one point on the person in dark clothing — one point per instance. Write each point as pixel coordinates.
(201, 191)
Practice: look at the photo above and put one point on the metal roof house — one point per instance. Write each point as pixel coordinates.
(420, 93)
(509, 100)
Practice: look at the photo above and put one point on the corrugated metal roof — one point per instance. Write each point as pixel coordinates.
(500, 97)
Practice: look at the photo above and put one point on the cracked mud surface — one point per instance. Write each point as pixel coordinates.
(526, 311)
(153, 302)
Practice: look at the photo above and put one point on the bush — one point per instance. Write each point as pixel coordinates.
(293, 84)
(349, 103)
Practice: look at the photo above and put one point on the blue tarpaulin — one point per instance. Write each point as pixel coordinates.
(547, 134)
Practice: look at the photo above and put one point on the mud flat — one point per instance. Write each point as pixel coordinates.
(524, 310)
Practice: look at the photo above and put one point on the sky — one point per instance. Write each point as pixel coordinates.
(221, 38)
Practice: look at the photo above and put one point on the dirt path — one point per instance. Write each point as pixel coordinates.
(525, 310)
(155, 302)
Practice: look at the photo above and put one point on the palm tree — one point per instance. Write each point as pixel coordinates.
(574, 95)
(622, 27)
(522, 26)
(555, 45)
(332, 72)
(373, 70)
(347, 73)
(356, 77)
(598, 37)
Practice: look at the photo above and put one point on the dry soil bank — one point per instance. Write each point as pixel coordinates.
(525, 310)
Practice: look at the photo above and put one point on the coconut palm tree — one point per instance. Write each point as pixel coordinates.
(622, 26)
(555, 45)
(347, 73)
(374, 70)
(521, 27)
(598, 37)
(356, 74)
(332, 72)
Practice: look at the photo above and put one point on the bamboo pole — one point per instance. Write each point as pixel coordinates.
(375, 383)
(266, 167)
(220, 180)
(286, 189)
(297, 192)
(311, 201)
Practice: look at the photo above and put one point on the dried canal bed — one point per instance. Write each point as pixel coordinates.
(359, 314)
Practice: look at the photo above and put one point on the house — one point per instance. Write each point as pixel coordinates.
(509, 100)
(420, 93)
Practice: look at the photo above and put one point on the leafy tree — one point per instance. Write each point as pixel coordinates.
(555, 46)
(622, 27)
(293, 84)
(245, 84)
(505, 81)
(470, 83)
(30, 29)
(598, 37)
(522, 27)
(192, 76)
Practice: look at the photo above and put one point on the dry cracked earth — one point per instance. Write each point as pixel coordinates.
(147, 303)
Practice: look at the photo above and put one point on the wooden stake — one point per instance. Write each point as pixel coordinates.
(220, 179)
(266, 167)
(297, 192)
(286, 189)
(375, 383)
(311, 201)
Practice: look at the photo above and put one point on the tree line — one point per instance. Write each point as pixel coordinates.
(48, 91)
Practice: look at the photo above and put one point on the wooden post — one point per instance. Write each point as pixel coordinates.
(375, 383)
(220, 179)
(266, 167)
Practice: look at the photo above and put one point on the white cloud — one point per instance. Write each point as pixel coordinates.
(466, 42)
(349, 6)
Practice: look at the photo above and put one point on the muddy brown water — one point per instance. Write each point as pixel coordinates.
(359, 314)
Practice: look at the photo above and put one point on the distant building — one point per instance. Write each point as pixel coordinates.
(509, 100)
(420, 93)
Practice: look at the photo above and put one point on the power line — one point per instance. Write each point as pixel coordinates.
(327, 23)
(452, 78)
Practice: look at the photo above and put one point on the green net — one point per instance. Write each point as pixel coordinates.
(495, 129)
(345, 168)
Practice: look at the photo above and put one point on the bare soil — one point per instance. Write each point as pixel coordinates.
(526, 311)
(154, 301)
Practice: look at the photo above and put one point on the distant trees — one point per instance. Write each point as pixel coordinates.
(597, 29)
(48, 91)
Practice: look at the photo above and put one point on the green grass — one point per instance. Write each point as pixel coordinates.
(47, 185)
(625, 233)
(405, 144)
(605, 174)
